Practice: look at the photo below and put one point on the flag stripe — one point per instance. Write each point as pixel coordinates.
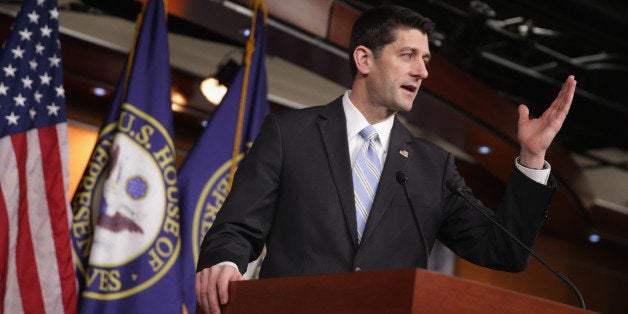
(8, 178)
(4, 247)
(37, 238)
(39, 224)
(58, 211)
(28, 277)
(39, 219)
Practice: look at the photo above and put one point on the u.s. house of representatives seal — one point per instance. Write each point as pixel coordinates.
(129, 198)
(209, 202)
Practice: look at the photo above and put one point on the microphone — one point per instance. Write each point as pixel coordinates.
(403, 179)
(459, 191)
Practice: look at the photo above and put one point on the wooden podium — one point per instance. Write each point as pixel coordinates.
(390, 291)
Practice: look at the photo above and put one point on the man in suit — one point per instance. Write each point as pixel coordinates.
(300, 193)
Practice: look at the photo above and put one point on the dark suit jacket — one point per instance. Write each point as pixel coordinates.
(293, 192)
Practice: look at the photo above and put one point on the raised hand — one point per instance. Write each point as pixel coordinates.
(536, 135)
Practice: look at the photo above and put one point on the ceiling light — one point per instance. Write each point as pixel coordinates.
(484, 150)
(177, 98)
(99, 91)
(214, 88)
(594, 238)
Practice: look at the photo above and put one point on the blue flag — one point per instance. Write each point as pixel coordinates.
(205, 176)
(125, 231)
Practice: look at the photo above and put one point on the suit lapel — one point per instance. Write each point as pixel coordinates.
(333, 129)
(396, 160)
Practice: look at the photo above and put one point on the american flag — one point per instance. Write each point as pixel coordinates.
(36, 268)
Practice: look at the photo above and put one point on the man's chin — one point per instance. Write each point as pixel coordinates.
(403, 107)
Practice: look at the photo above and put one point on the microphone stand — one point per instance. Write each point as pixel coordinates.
(403, 179)
(459, 191)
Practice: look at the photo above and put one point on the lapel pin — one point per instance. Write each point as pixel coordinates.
(403, 153)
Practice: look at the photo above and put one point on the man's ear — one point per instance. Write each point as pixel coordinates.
(363, 58)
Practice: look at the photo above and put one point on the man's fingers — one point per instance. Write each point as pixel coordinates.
(212, 291)
(211, 287)
(564, 99)
(201, 287)
(222, 286)
(226, 275)
(565, 96)
(524, 113)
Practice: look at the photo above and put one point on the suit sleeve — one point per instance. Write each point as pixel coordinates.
(239, 231)
(470, 235)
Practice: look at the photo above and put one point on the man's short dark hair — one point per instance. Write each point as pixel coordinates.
(375, 28)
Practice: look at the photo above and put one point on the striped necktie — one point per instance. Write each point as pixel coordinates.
(366, 171)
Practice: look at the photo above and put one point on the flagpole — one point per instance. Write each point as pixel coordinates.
(250, 48)
(138, 25)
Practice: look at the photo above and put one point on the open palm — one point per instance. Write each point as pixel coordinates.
(536, 135)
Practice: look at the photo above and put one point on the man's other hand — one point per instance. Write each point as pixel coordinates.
(211, 287)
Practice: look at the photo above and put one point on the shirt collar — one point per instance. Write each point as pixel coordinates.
(356, 122)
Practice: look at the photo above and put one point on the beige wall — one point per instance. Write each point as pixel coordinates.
(82, 139)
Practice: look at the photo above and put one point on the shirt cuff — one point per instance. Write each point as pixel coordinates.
(539, 175)
(232, 264)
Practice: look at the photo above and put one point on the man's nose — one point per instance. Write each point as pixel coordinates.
(420, 70)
